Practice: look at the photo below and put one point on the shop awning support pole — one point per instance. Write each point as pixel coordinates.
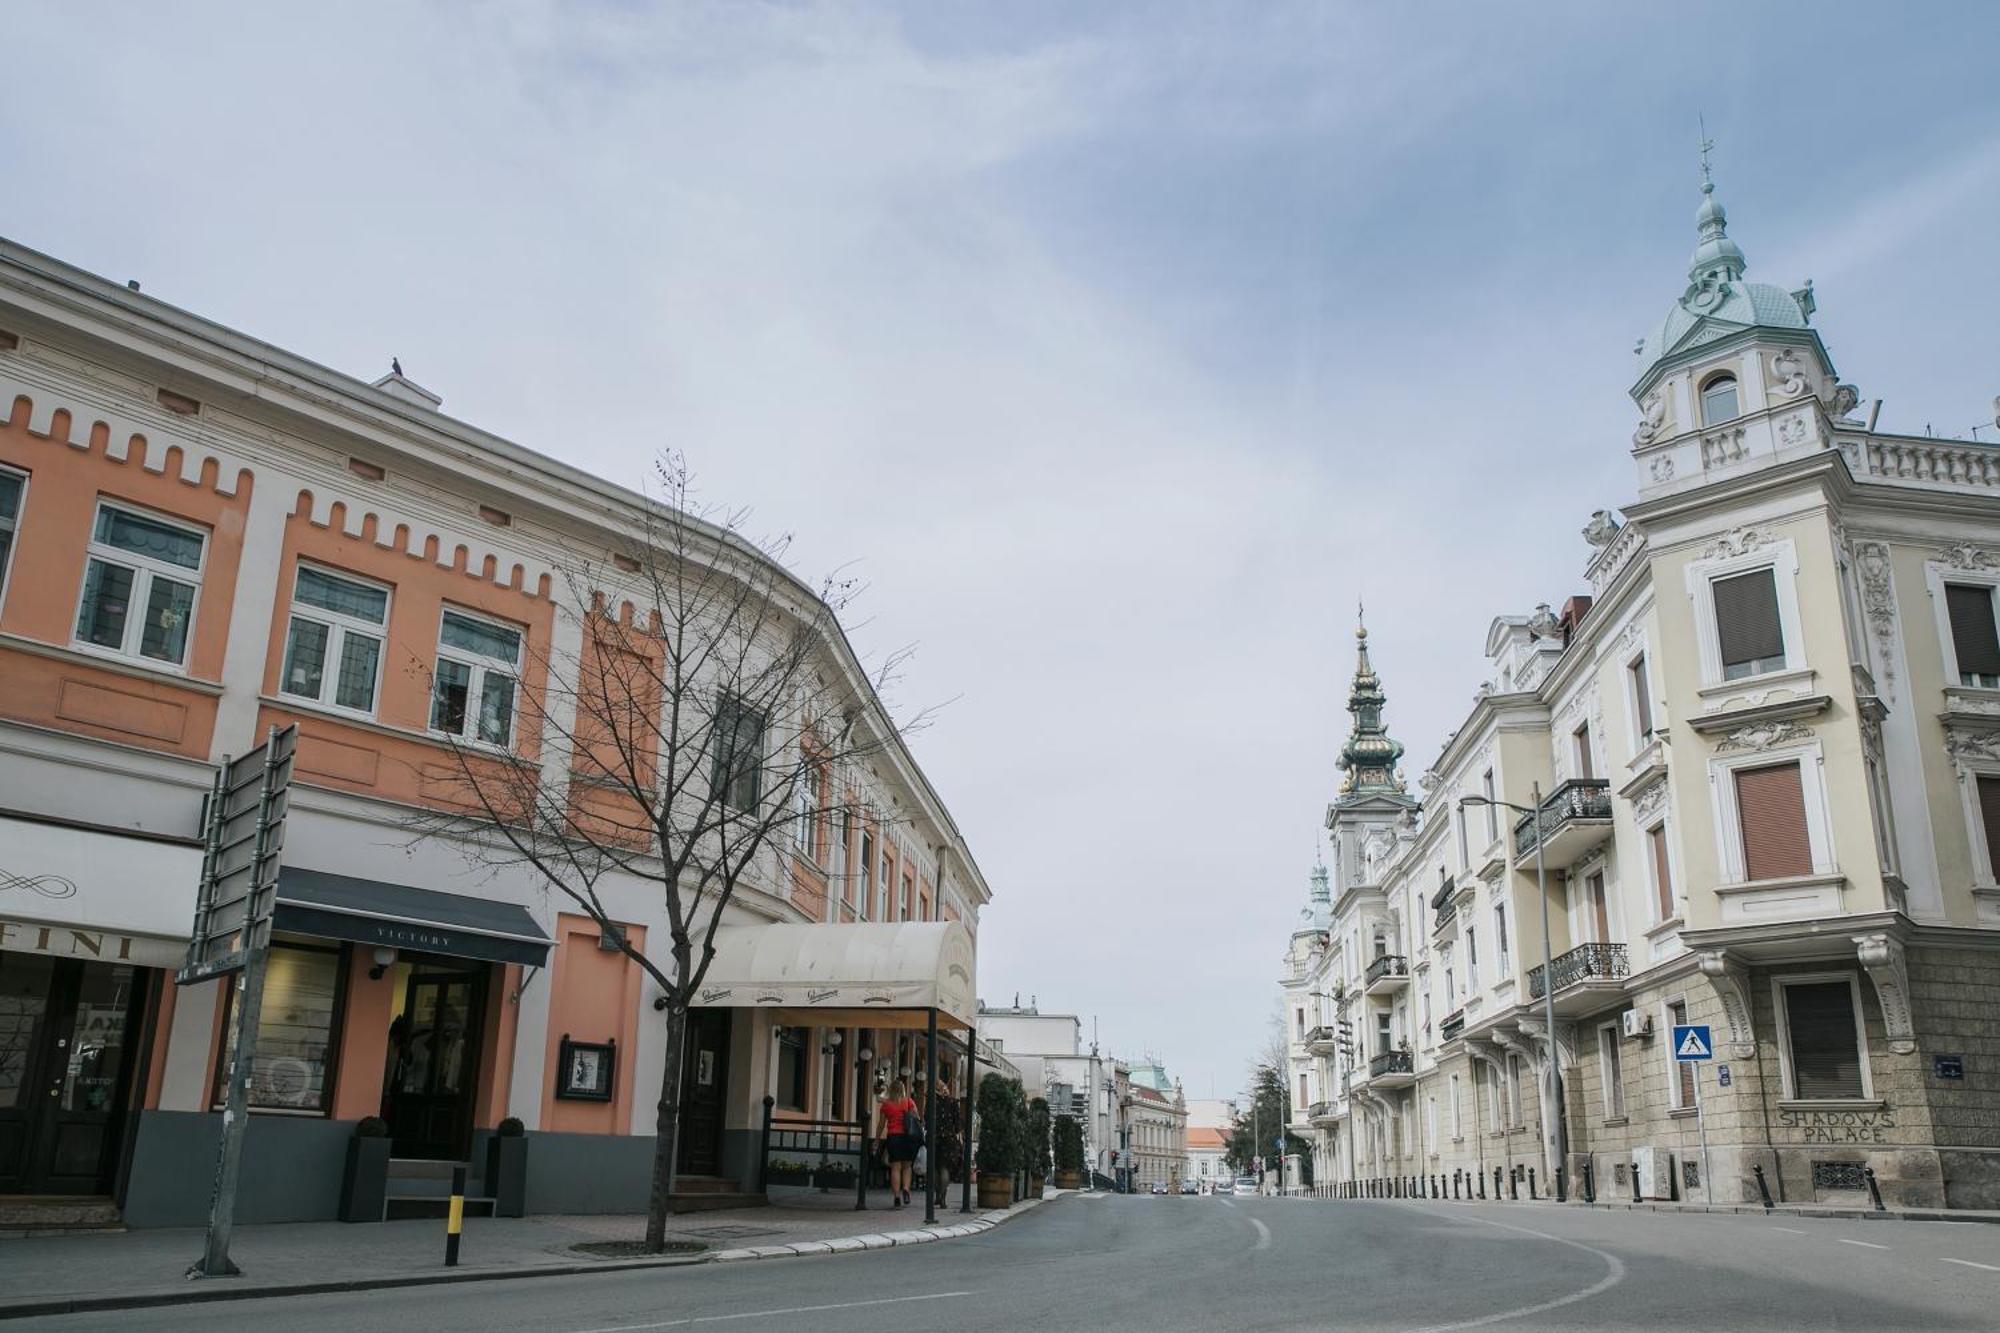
(931, 1155)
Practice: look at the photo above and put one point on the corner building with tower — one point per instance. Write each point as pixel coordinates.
(1758, 765)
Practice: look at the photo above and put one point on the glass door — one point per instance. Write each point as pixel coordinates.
(435, 1049)
(65, 1065)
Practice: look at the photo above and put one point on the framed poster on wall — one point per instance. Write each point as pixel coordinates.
(586, 1070)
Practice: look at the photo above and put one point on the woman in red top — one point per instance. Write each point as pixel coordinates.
(895, 1117)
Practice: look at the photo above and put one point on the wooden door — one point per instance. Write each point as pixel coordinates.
(704, 1092)
(436, 1054)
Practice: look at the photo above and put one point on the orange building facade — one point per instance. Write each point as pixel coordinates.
(202, 537)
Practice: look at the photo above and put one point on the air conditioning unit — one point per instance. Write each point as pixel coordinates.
(1638, 1023)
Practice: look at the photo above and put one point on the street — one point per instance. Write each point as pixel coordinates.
(1113, 1263)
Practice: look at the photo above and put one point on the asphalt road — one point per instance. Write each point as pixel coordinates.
(1109, 1264)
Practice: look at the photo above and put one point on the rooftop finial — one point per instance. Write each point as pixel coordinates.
(1707, 146)
(1717, 259)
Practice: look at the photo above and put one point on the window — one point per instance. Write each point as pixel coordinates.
(1431, 1123)
(1596, 908)
(472, 693)
(336, 621)
(1771, 807)
(802, 815)
(1580, 739)
(12, 484)
(1457, 1125)
(137, 560)
(1822, 1038)
(909, 895)
(1974, 641)
(867, 876)
(1464, 858)
(1492, 809)
(738, 768)
(292, 1069)
(1471, 959)
(1748, 631)
(1642, 703)
(1989, 815)
(1496, 1106)
(1609, 1058)
(1663, 879)
(1718, 400)
(1514, 1102)
(1682, 1084)
(1303, 1102)
(1500, 937)
(792, 1068)
(1384, 1041)
(1300, 1015)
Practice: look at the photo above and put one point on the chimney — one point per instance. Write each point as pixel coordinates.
(1573, 612)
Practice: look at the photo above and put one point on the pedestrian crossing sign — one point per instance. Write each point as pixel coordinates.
(1691, 1042)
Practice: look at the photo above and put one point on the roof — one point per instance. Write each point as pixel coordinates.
(1204, 1136)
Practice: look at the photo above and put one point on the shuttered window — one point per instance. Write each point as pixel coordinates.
(1989, 814)
(1771, 807)
(1677, 1016)
(1826, 1050)
(1973, 637)
(1746, 624)
(1663, 880)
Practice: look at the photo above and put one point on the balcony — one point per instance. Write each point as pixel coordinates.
(1322, 1039)
(1453, 1025)
(1389, 972)
(1583, 976)
(1575, 818)
(1392, 1069)
(1323, 1113)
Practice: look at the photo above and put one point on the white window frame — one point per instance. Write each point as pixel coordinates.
(1936, 576)
(1781, 557)
(1491, 793)
(1457, 1120)
(338, 625)
(7, 564)
(1578, 919)
(1970, 770)
(145, 570)
(1640, 662)
(1701, 389)
(475, 690)
(1673, 867)
(1506, 964)
(1789, 1084)
(1729, 821)
(1611, 1091)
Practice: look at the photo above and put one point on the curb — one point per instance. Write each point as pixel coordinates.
(1982, 1218)
(204, 1295)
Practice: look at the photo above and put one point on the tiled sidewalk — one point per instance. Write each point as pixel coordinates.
(56, 1273)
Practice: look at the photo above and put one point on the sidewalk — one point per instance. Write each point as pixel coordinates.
(1843, 1212)
(59, 1274)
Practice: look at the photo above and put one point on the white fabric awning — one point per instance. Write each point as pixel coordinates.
(870, 971)
(96, 894)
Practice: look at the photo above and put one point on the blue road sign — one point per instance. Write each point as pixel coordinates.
(1279, 1143)
(1691, 1042)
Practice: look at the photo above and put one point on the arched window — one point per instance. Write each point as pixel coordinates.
(1718, 400)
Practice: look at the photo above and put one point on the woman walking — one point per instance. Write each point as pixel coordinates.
(895, 1120)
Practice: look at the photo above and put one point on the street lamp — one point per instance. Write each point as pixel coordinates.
(1548, 976)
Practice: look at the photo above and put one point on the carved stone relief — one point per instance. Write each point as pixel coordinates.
(1788, 371)
(1653, 415)
(1735, 542)
(1663, 468)
(1793, 430)
(1964, 745)
(1882, 957)
(1967, 556)
(1731, 982)
(1650, 800)
(1763, 736)
(1878, 605)
(1723, 448)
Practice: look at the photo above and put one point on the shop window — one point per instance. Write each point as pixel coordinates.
(146, 565)
(297, 1033)
(13, 485)
(333, 646)
(1748, 630)
(1771, 808)
(1719, 402)
(792, 1068)
(478, 664)
(738, 768)
(1974, 640)
(1822, 1047)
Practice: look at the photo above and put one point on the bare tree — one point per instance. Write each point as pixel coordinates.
(699, 737)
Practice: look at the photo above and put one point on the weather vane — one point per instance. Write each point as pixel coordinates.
(1707, 145)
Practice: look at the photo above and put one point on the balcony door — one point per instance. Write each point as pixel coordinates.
(1596, 921)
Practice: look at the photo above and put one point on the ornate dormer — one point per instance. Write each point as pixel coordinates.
(1735, 377)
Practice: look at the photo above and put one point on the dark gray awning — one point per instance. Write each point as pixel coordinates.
(369, 911)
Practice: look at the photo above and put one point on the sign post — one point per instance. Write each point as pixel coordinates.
(243, 834)
(1693, 1046)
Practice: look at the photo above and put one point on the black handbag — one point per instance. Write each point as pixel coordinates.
(913, 1126)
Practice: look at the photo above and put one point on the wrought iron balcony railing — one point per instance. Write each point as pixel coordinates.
(1385, 966)
(1588, 962)
(1318, 1109)
(1578, 799)
(1390, 1062)
(1454, 1023)
(1319, 1032)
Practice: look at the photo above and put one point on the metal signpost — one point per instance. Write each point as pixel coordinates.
(243, 834)
(1692, 1046)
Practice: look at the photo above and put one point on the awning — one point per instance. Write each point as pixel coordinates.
(865, 975)
(98, 894)
(398, 916)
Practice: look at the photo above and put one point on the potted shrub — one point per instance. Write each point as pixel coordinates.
(507, 1169)
(364, 1186)
(834, 1174)
(1036, 1152)
(998, 1141)
(1069, 1153)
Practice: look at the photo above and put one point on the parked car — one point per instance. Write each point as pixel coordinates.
(1159, 1187)
(1246, 1184)
(1225, 1186)
(1190, 1187)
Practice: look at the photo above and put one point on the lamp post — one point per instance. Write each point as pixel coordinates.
(1548, 978)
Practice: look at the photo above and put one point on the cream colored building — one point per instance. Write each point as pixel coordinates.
(1763, 752)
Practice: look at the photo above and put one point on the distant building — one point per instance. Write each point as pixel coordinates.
(1158, 1116)
(1207, 1147)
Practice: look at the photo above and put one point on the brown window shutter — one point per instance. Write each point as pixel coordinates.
(1746, 617)
(1989, 811)
(1771, 806)
(1826, 1058)
(1662, 881)
(1973, 638)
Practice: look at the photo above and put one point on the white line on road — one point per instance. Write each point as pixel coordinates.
(1791, 1230)
(1614, 1275)
(1864, 1244)
(765, 1314)
(1231, 1203)
(1969, 1264)
(1263, 1234)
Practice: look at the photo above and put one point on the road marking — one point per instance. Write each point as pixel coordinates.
(1229, 1203)
(1865, 1244)
(1792, 1230)
(1613, 1276)
(1263, 1234)
(766, 1314)
(1969, 1264)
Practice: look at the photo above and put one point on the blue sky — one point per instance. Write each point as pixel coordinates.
(1120, 347)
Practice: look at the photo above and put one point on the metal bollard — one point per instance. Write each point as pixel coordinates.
(1496, 1184)
(1589, 1183)
(1456, 1172)
(1532, 1195)
(1562, 1190)
(1482, 1184)
(454, 1221)
(1874, 1190)
(1514, 1185)
(1637, 1197)
(1763, 1190)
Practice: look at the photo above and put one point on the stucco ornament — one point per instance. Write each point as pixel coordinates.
(1649, 802)
(1543, 624)
(1845, 399)
(1965, 555)
(1881, 956)
(1790, 372)
(1735, 542)
(1731, 981)
(1663, 468)
(1878, 605)
(1980, 746)
(1794, 430)
(1652, 416)
(1762, 736)
(1602, 529)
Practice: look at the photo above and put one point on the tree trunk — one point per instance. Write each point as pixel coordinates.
(666, 1132)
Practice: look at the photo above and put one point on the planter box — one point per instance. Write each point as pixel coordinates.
(996, 1191)
(780, 1176)
(364, 1187)
(1069, 1180)
(507, 1175)
(1035, 1186)
(833, 1180)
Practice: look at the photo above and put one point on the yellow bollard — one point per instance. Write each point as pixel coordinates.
(454, 1221)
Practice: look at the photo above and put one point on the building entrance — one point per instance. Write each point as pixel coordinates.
(65, 1071)
(433, 1067)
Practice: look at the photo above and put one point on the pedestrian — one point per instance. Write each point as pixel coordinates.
(898, 1128)
(945, 1136)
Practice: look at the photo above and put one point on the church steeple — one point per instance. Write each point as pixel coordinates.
(1370, 755)
(1717, 259)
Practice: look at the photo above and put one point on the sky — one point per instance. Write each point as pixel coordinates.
(1120, 349)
